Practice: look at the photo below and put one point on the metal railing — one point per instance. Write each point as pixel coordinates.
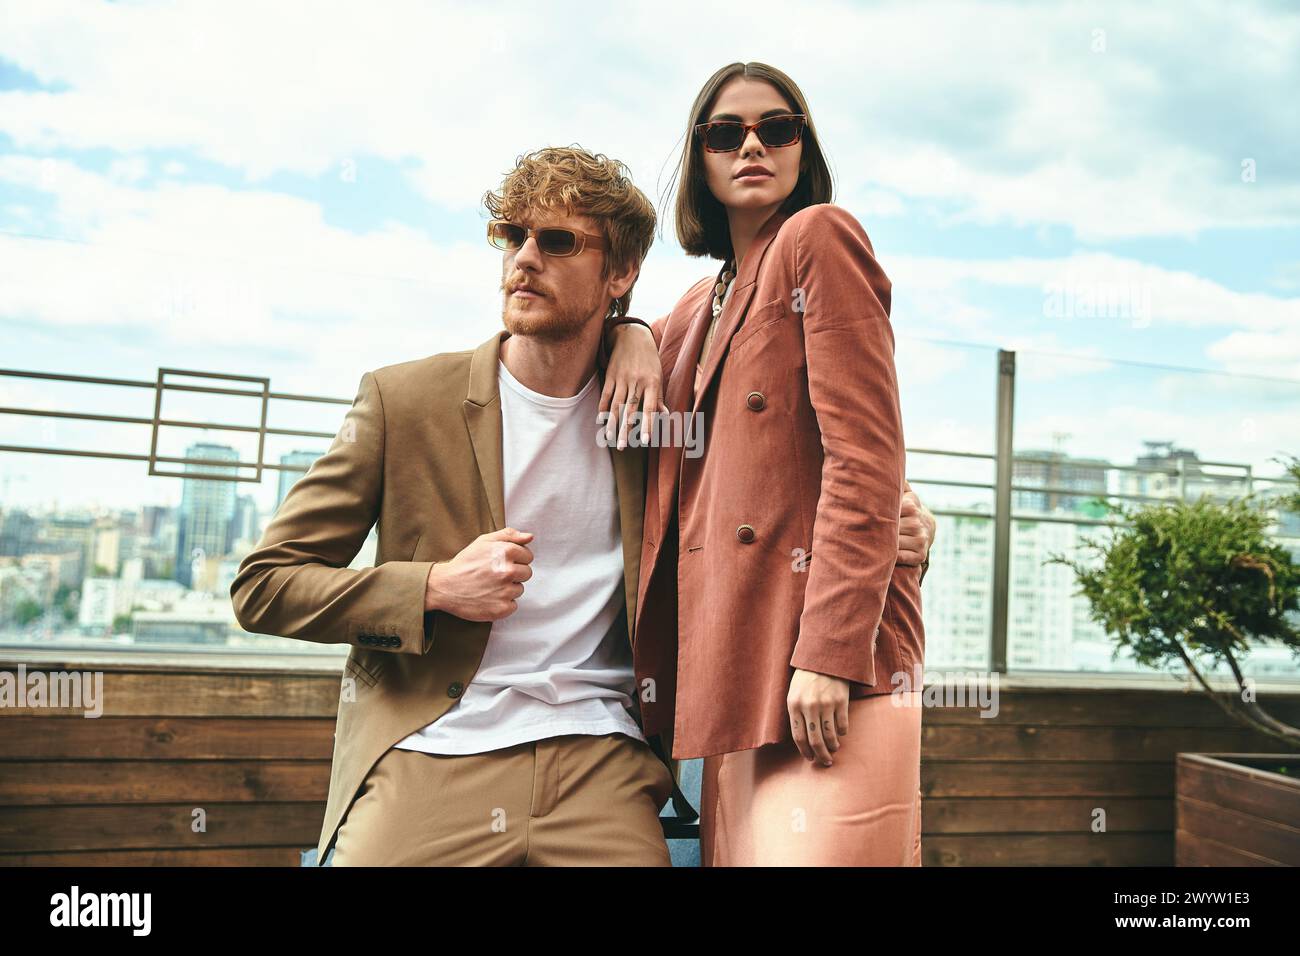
(159, 385)
(1002, 486)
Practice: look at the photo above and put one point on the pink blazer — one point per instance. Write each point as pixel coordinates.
(776, 549)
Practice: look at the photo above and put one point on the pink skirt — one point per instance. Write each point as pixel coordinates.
(772, 807)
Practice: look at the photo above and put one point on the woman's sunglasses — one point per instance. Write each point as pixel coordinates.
(551, 240)
(725, 135)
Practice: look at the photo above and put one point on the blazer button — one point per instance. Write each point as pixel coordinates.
(745, 533)
(756, 401)
(455, 689)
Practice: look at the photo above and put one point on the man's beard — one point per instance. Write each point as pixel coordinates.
(547, 319)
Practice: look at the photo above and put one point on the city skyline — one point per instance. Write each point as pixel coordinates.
(1048, 625)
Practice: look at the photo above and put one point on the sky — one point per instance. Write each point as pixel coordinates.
(293, 191)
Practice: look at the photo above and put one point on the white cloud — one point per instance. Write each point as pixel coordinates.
(193, 265)
(1001, 112)
(1278, 352)
(1113, 293)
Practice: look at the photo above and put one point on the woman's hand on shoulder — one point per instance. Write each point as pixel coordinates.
(633, 382)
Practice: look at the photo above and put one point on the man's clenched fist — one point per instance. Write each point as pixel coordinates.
(484, 581)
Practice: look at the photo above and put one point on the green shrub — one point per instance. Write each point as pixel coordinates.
(1186, 582)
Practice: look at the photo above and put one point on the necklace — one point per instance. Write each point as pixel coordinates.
(719, 293)
(720, 290)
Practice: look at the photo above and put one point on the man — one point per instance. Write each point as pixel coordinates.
(488, 714)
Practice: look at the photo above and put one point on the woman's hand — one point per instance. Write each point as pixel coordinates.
(633, 380)
(818, 705)
(916, 527)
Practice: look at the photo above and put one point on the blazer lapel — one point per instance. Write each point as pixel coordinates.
(482, 408)
(734, 311)
(678, 399)
(629, 479)
(681, 379)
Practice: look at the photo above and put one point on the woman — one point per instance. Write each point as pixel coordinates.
(773, 617)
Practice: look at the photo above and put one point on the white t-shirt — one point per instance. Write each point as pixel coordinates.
(560, 664)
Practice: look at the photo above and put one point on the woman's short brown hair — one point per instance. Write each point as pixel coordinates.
(701, 218)
(573, 182)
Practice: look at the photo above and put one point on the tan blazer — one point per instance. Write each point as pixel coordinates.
(777, 548)
(420, 453)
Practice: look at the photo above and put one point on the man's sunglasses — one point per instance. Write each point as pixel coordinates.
(725, 135)
(551, 240)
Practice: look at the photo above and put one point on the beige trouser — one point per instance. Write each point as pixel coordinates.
(573, 800)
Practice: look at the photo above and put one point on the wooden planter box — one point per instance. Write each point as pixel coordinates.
(1237, 809)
